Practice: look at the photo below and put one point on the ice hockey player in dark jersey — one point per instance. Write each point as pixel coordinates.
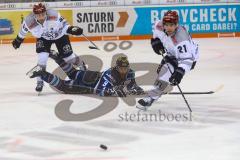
(49, 27)
(112, 82)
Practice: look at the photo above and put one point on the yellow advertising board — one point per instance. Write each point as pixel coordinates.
(10, 22)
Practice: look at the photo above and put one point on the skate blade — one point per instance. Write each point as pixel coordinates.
(143, 108)
(39, 93)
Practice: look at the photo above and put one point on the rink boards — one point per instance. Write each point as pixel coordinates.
(135, 22)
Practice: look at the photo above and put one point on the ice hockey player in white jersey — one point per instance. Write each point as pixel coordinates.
(49, 27)
(181, 56)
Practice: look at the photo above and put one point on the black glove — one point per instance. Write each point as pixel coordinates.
(75, 30)
(136, 90)
(168, 59)
(157, 45)
(17, 42)
(116, 91)
(177, 76)
(120, 93)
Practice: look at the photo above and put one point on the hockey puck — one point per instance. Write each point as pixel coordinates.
(103, 147)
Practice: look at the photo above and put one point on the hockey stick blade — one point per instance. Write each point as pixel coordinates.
(39, 93)
(31, 70)
(92, 47)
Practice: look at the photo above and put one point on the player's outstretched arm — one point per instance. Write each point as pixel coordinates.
(16, 43)
(134, 89)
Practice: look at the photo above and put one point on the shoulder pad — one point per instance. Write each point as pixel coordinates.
(31, 21)
(181, 35)
(159, 25)
(108, 71)
(52, 15)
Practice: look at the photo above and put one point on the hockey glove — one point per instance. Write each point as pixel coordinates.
(116, 91)
(136, 90)
(17, 42)
(177, 76)
(75, 30)
(168, 59)
(157, 45)
(119, 91)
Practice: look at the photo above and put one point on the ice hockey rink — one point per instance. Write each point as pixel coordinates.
(30, 130)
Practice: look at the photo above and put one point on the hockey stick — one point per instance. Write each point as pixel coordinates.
(31, 70)
(193, 93)
(180, 90)
(197, 93)
(94, 45)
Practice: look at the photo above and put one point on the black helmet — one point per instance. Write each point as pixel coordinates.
(122, 62)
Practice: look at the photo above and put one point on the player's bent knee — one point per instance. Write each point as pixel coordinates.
(75, 60)
(163, 86)
(163, 70)
(42, 58)
(70, 59)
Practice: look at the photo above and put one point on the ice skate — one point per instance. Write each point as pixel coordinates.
(145, 103)
(39, 87)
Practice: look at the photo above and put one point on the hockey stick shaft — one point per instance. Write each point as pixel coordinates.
(192, 93)
(180, 90)
(196, 93)
(91, 42)
(188, 93)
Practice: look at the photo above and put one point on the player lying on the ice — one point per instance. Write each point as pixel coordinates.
(182, 54)
(111, 82)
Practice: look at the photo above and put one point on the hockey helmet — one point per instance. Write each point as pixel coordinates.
(39, 8)
(122, 62)
(170, 17)
(122, 66)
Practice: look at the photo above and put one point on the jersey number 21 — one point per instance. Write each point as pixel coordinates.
(182, 49)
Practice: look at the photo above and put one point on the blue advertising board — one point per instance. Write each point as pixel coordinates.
(5, 27)
(197, 19)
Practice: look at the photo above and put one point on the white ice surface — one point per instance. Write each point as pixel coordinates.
(29, 129)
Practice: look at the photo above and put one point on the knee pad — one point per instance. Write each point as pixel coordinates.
(163, 70)
(42, 58)
(70, 59)
(163, 86)
(75, 60)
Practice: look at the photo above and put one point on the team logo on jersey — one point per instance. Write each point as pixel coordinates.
(25, 28)
(40, 44)
(67, 48)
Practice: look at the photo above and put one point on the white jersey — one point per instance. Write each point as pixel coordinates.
(54, 27)
(180, 45)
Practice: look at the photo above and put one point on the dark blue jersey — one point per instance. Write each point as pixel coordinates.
(87, 78)
(111, 78)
